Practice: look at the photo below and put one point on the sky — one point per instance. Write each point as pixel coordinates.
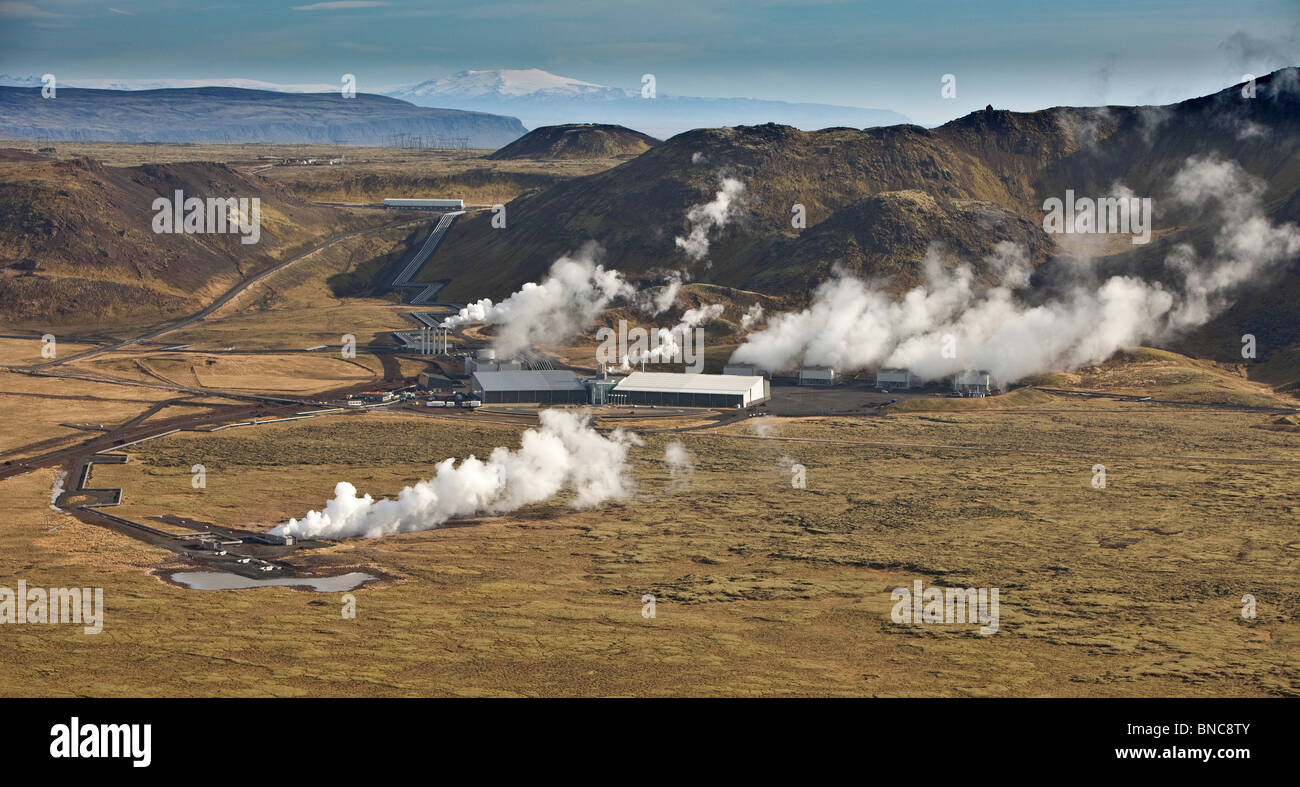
(1013, 54)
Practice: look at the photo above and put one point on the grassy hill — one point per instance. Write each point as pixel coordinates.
(77, 243)
(577, 141)
(875, 197)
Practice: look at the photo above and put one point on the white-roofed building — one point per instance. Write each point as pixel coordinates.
(692, 390)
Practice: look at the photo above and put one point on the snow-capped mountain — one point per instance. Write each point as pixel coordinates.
(505, 83)
(540, 98)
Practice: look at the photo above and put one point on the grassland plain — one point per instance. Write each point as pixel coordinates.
(761, 588)
(36, 409)
(368, 175)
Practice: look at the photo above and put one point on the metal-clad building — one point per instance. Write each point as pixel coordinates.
(425, 204)
(745, 370)
(543, 387)
(486, 361)
(598, 389)
(974, 384)
(432, 381)
(818, 375)
(896, 379)
(692, 390)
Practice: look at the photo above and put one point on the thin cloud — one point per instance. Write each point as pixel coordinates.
(14, 10)
(338, 5)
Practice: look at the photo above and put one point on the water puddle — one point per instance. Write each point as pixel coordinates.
(221, 580)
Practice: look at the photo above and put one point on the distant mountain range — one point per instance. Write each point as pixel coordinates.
(163, 84)
(226, 114)
(880, 197)
(540, 98)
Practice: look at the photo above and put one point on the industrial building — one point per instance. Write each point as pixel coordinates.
(818, 375)
(973, 384)
(543, 387)
(373, 397)
(896, 380)
(432, 381)
(691, 390)
(599, 389)
(486, 361)
(425, 204)
(745, 370)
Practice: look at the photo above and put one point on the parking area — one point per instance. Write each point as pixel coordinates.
(853, 398)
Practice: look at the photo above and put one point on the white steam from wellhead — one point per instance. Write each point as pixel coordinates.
(563, 453)
(709, 217)
(680, 463)
(568, 300)
(654, 301)
(852, 325)
(665, 345)
(577, 288)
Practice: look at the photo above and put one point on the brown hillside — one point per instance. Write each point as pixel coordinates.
(87, 230)
(577, 141)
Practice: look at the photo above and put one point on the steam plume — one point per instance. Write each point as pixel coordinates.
(852, 325)
(565, 452)
(680, 463)
(573, 294)
(709, 217)
(665, 344)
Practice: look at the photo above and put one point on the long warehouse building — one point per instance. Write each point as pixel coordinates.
(691, 390)
(543, 387)
(424, 204)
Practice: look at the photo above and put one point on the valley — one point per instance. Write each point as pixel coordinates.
(200, 396)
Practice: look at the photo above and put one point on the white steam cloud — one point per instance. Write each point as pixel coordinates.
(709, 217)
(657, 300)
(763, 426)
(680, 463)
(577, 288)
(565, 452)
(573, 294)
(851, 325)
(665, 345)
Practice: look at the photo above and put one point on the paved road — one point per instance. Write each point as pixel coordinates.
(140, 431)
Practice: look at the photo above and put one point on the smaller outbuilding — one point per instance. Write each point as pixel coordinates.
(818, 375)
(896, 380)
(745, 370)
(974, 384)
(432, 381)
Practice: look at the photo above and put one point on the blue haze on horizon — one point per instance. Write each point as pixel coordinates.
(1013, 54)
